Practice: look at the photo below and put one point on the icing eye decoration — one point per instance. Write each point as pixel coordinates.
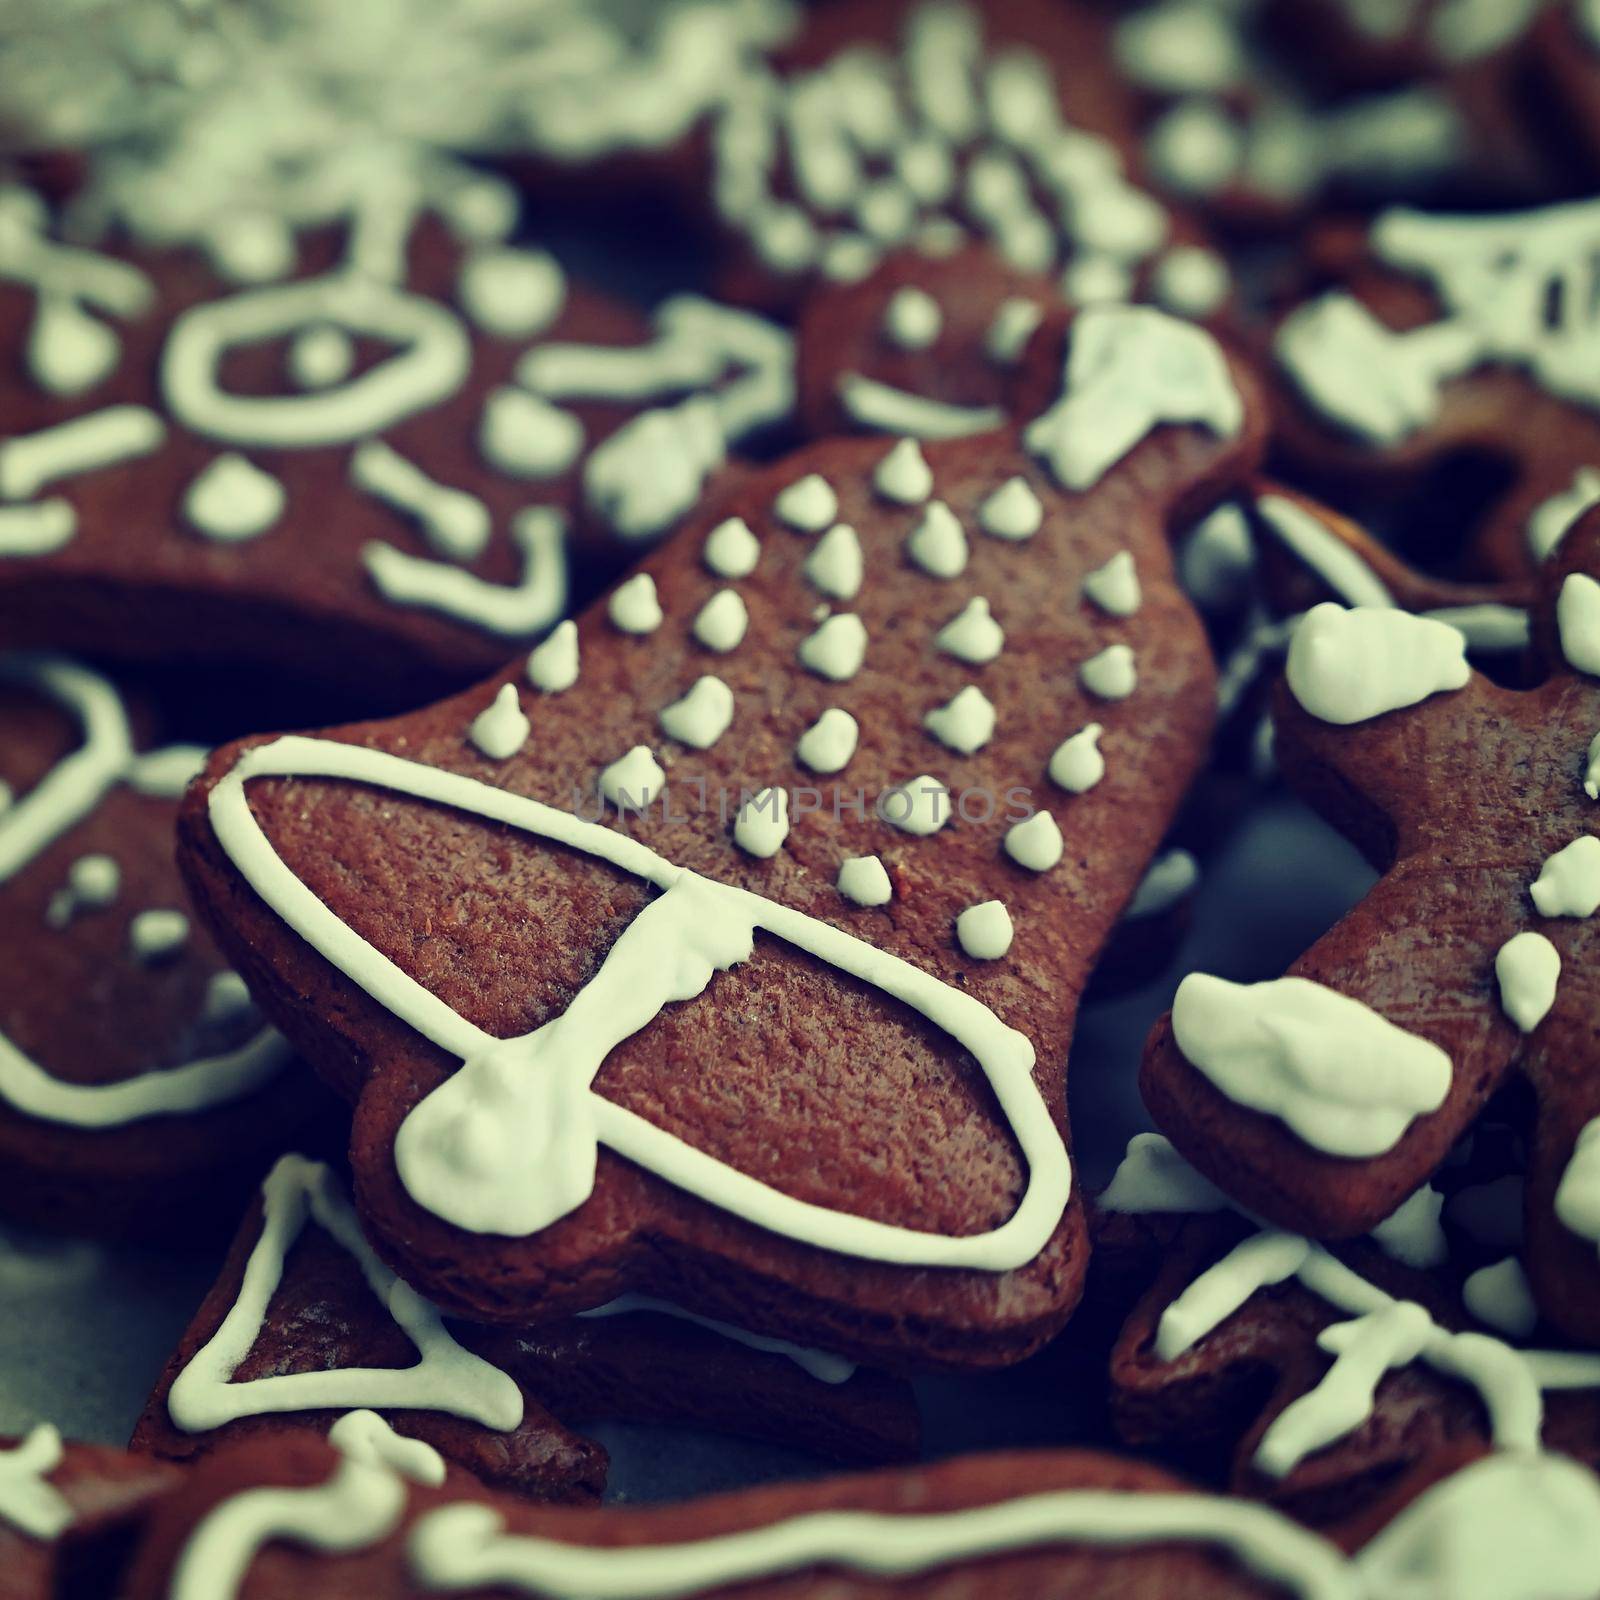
(431, 360)
(509, 1143)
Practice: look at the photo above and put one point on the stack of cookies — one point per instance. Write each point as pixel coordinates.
(611, 618)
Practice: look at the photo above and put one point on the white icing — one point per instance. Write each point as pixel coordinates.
(553, 665)
(827, 745)
(919, 806)
(1549, 521)
(984, 931)
(501, 728)
(651, 471)
(1348, 666)
(1329, 557)
(525, 436)
(971, 635)
(29, 461)
(1577, 1200)
(509, 1142)
(1112, 674)
(904, 475)
(157, 934)
(1130, 370)
(1153, 1178)
(37, 530)
(721, 622)
(28, 1501)
(633, 780)
(937, 544)
(455, 523)
(513, 611)
(864, 881)
(1077, 764)
(1527, 967)
(701, 716)
(1097, 280)
(808, 504)
(633, 606)
(1591, 769)
(513, 294)
(835, 565)
(232, 499)
(1115, 586)
(731, 549)
(1012, 511)
(1191, 281)
(1345, 1079)
(320, 356)
(1265, 1258)
(227, 999)
(1487, 628)
(1578, 621)
(1499, 1296)
(882, 407)
(1411, 1233)
(92, 884)
(365, 1436)
(965, 723)
(912, 319)
(763, 823)
(1013, 326)
(444, 1378)
(69, 351)
(1035, 842)
(1568, 884)
(431, 362)
(1216, 560)
(836, 649)
(1172, 876)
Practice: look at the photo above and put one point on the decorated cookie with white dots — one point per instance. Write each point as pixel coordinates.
(704, 800)
(498, 1404)
(1445, 982)
(380, 471)
(131, 1058)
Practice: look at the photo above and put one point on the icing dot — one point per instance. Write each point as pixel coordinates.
(1013, 511)
(808, 504)
(633, 607)
(965, 723)
(923, 164)
(864, 881)
(835, 565)
(252, 247)
(1346, 666)
(1077, 765)
(904, 475)
(1527, 967)
(763, 823)
(500, 729)
(984, 931)
(1167, 880)
(527, 437)
(1011, 330)
(94, 880)
(1568, 884)
(1115, 586)
(1112, 674)
(837, 648)
(1097, 280)
(1216, 560)
(1499, 1296)
(1411, 1232)
(1035, 842)
(1191, 280)
(937, 544)
(849, 258)
(912, 319)
(972, 635)
(921, 806)
(701, 716)
(1549, 521)
(320, 356)
(632, 781)
(157, 935)
(553, 665)
(69, 350)
(232, 499)
(1578, 620)
(1591, 769)
(731, 549)
(513, 294)
(227, 999)
(830, 741)
(721, 621)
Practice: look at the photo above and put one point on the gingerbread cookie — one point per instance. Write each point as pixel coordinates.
(1322, 1376)
(69, 1514)
(139, 1088)
(1434, 375)
(371, 474)
(306, 1323)
(1005, 1525)
(1322, 1099)
(883, 792)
